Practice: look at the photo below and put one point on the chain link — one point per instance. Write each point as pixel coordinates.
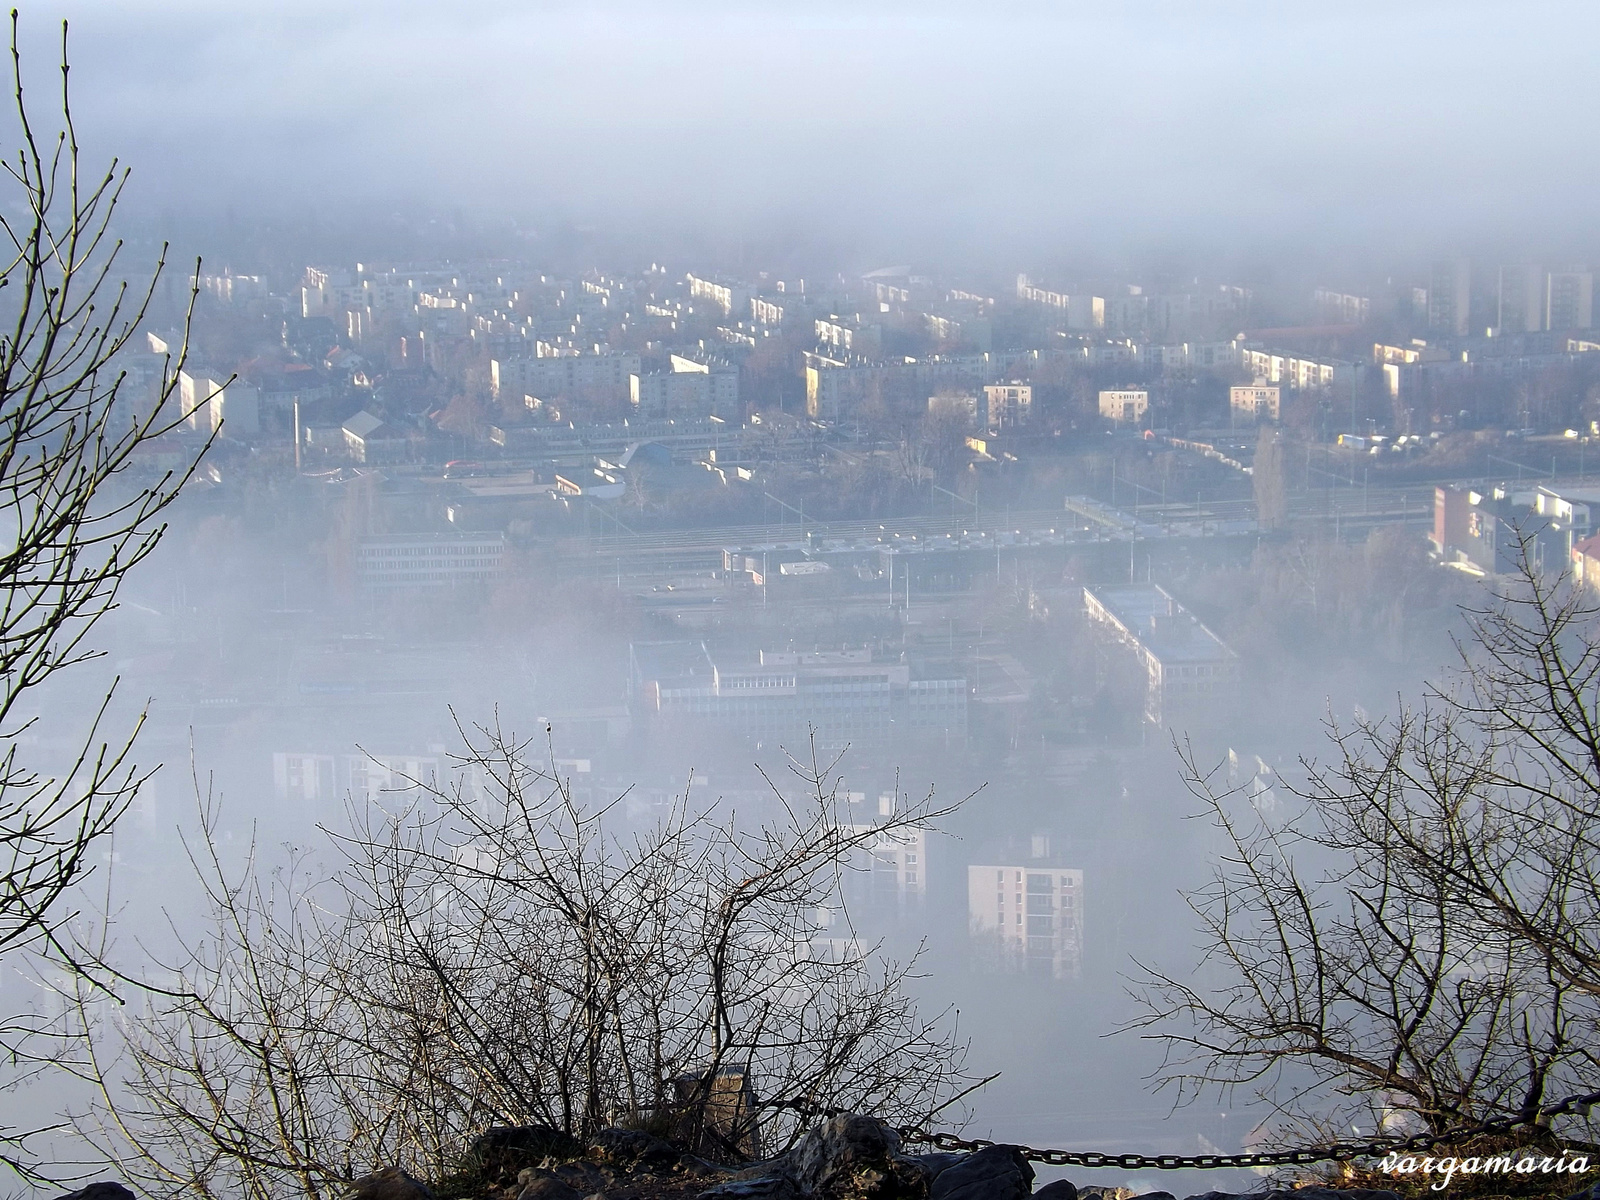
(1579, 1105)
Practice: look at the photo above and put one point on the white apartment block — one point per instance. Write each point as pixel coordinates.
(1038, 295)
(722, 295)
(834, 333)
(1296, 373)
(320, 779)
(687, 389)
(835, 388)
(1008, 405)
(1340, 308)
(891, 866)
(208, 401)
(1124, 407)
(765, 312)
(1257, 402)
(424, 560)
(327, 293)
(1035, 913)
(1113, 352)
(549, 377)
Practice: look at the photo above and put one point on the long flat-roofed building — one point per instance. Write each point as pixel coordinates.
(424, 560)
(845, 696)
(1190, 670)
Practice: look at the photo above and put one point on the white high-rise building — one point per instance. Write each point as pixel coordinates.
(1035, 913)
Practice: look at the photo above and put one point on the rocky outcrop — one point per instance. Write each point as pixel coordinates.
(388, 1183)
(844, 1158)
(854, 1158)
(993, 1173)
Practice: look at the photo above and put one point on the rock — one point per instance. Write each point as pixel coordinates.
(1592, 1192)
(1096, 1192)
(388, 1183)
(938, 1162)
(1061, 1189)
(634, 1148)
(993, 1173)
(584, 1178)
(100, 1189)
(1155, 1196)
(856, 1158)
(1307, 1193)
(755, 1170)
(777, 1186)
(502, 1151)
(693, 1164)
(541, 1185)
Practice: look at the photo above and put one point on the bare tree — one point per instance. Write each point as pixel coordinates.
(1421, 938)
(76, 512)
(1270, 481)
(497, 952)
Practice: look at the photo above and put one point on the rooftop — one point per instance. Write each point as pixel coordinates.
(1149, 614)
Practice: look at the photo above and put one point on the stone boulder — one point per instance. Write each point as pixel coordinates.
(993, 1173)
(855, 1158)
(388, 1183)
(1060, 1189)
(774, 1186)
(542, 1185)
(936, 1163)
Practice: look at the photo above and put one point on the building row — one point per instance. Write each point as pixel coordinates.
(1191, 675)
(785, 698)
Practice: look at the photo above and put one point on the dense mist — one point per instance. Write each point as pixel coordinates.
(1077, 418)
(900, 129)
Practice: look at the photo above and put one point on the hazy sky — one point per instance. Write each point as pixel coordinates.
(1067, 121)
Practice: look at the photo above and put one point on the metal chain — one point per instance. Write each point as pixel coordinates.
(1332, 1152)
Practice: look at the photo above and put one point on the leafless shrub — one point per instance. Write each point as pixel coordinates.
(495, 952)
(74, 521)
(1422, 938)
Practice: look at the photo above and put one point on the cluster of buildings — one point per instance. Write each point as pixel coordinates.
(432, 361)
(1489, 529)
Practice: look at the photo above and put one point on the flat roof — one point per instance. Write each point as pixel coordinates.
(1163, 626)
